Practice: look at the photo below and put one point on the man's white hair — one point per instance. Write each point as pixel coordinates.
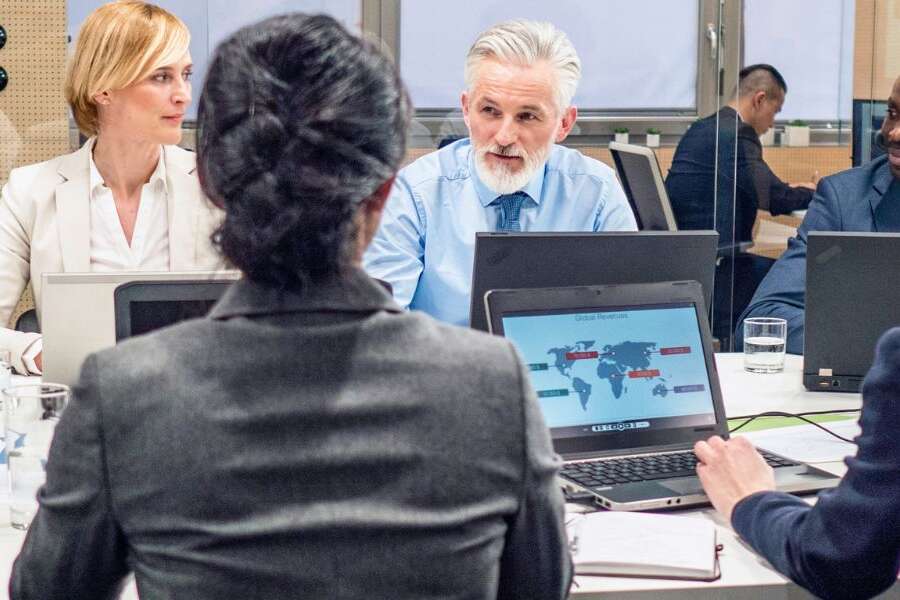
(525, 43)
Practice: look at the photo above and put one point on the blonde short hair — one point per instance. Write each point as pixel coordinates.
(119, 44)
(525, 43)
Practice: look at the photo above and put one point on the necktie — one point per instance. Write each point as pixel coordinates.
(510, 205)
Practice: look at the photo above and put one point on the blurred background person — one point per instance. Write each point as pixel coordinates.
(701, 184)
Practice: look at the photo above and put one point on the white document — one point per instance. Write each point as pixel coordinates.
(807, 443)
(643, 545)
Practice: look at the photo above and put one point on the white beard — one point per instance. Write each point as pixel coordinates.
(502, 180)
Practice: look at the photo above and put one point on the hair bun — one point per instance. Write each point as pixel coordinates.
(289, 157)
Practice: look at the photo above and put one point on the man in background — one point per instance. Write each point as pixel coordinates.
(701, 185)
(509, 175)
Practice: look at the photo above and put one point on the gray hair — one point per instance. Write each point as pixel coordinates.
(525, 43)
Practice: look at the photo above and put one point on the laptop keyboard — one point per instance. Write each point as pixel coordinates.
(614, 471)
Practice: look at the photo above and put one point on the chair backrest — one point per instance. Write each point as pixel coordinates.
(27, 322)
(23, 306)
(642, 180)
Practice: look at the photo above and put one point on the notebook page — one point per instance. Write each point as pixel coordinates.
(643, 544)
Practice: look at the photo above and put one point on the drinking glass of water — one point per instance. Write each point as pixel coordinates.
(764, 339)
(32, 412)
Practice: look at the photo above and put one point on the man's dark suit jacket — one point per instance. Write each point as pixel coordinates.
(848, 544)
(866, 198)
(691, 182)
(315, 445)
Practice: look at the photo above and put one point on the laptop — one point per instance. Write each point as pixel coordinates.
(78, 317)
(627, 384)
(539, 260)
(145, 306)
(844, 272)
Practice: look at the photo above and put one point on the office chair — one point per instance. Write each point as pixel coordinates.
(28, 322)
(643, 183)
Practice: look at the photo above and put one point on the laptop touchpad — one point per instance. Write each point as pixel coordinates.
(686, 487)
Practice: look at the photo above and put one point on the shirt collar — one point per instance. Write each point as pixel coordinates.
(157, 177)
(533, 188)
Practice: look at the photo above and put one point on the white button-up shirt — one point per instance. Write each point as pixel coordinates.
(149, 249)
(110, 251)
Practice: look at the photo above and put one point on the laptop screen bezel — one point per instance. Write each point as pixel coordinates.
(127, 294)
(500, 303)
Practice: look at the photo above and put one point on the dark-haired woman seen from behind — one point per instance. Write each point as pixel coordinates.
(308, 438)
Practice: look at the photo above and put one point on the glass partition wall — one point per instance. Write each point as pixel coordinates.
(652, 70)
(815, 46)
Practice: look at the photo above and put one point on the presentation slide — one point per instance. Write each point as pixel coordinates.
(613, 367)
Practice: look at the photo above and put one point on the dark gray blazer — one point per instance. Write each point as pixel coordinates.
(866, 198)
(320, 445)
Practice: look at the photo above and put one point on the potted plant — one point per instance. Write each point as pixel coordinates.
(768, 138)
(621, 134)
(653, 137)
(796, 133)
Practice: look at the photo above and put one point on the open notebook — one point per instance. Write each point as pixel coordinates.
(644, 545)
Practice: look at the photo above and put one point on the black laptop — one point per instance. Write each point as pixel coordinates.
(627, 384)
(145, 306)
(537, 260)
(852, 286)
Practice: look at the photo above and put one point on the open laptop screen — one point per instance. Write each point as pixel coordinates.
(616, 370)
(145, 306)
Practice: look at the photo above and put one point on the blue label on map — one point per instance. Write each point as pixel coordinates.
(681, 389)
(538, 367)
(552, 393)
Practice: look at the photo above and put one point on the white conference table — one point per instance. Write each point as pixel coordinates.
(744, 574)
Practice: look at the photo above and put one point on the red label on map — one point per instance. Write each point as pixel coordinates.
(675, 350)
(581, 355)
(644, 373)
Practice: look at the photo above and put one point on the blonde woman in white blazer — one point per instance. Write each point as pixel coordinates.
(129, 199)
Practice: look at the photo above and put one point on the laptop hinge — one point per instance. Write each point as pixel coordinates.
(629, 451)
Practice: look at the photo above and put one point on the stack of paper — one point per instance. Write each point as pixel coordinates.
(644, 545)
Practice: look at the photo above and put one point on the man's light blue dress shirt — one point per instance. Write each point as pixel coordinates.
(426, 242)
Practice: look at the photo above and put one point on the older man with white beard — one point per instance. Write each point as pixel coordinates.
(509, 175)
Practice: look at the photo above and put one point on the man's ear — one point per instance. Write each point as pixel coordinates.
(566, 123)
(758, 98)
(464, 101)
